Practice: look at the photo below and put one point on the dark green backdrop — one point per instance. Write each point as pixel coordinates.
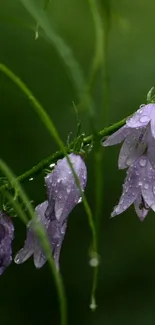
(126, 288)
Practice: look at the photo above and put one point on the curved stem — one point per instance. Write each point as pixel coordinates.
(37, 169)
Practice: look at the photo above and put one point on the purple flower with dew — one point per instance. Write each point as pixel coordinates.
(62, 190)
(55, 232)
(63, 194)
(138, 188)
(6, 237)
(138, 135)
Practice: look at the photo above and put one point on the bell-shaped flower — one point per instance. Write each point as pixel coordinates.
(138, 188)
(62, 190)
(6, 237)
(63, 195)
(55, 234)
(138, 135)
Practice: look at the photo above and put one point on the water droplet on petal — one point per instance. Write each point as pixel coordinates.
(140, 183)
(80, 200)
(142, 162)
(146, 186)
(144, 119)
(68, 190)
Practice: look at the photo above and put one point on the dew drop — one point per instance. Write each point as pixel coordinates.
(31, 179)
(145, 119)
(140, 183)
(51, 165)
(80, 200)
(93, 305)
(93, 262)
(146, 186)
(142, 162)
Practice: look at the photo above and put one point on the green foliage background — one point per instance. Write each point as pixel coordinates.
(126, 284)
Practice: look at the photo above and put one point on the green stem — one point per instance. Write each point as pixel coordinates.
(99, 152)
(37, 169)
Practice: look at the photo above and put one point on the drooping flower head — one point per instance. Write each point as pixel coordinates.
(62, 190)
(6, 237)
(138, 188)
(63, 194)
(138, 135)
(55, 233)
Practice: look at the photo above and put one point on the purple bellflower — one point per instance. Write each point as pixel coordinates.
(138, 188)
(63, 195)
(138, 135)
(55, 233)
(62, 191)
(6, 237)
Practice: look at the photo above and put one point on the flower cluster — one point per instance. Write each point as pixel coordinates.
(63, 195)
(137, 154)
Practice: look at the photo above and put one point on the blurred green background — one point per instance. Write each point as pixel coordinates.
(126, 285)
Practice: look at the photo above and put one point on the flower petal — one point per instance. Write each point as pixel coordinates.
(132, 148)
(39, 256)
(130, 191)
(153, 125)
(151, 147)
(63, 189)
(27, 250)
(139, 208)
(116, 137)
(56, 235)
(148, 186)
(6, 237)
(142, 117)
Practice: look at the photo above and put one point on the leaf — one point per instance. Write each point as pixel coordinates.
(65, 52)
(40, 232)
